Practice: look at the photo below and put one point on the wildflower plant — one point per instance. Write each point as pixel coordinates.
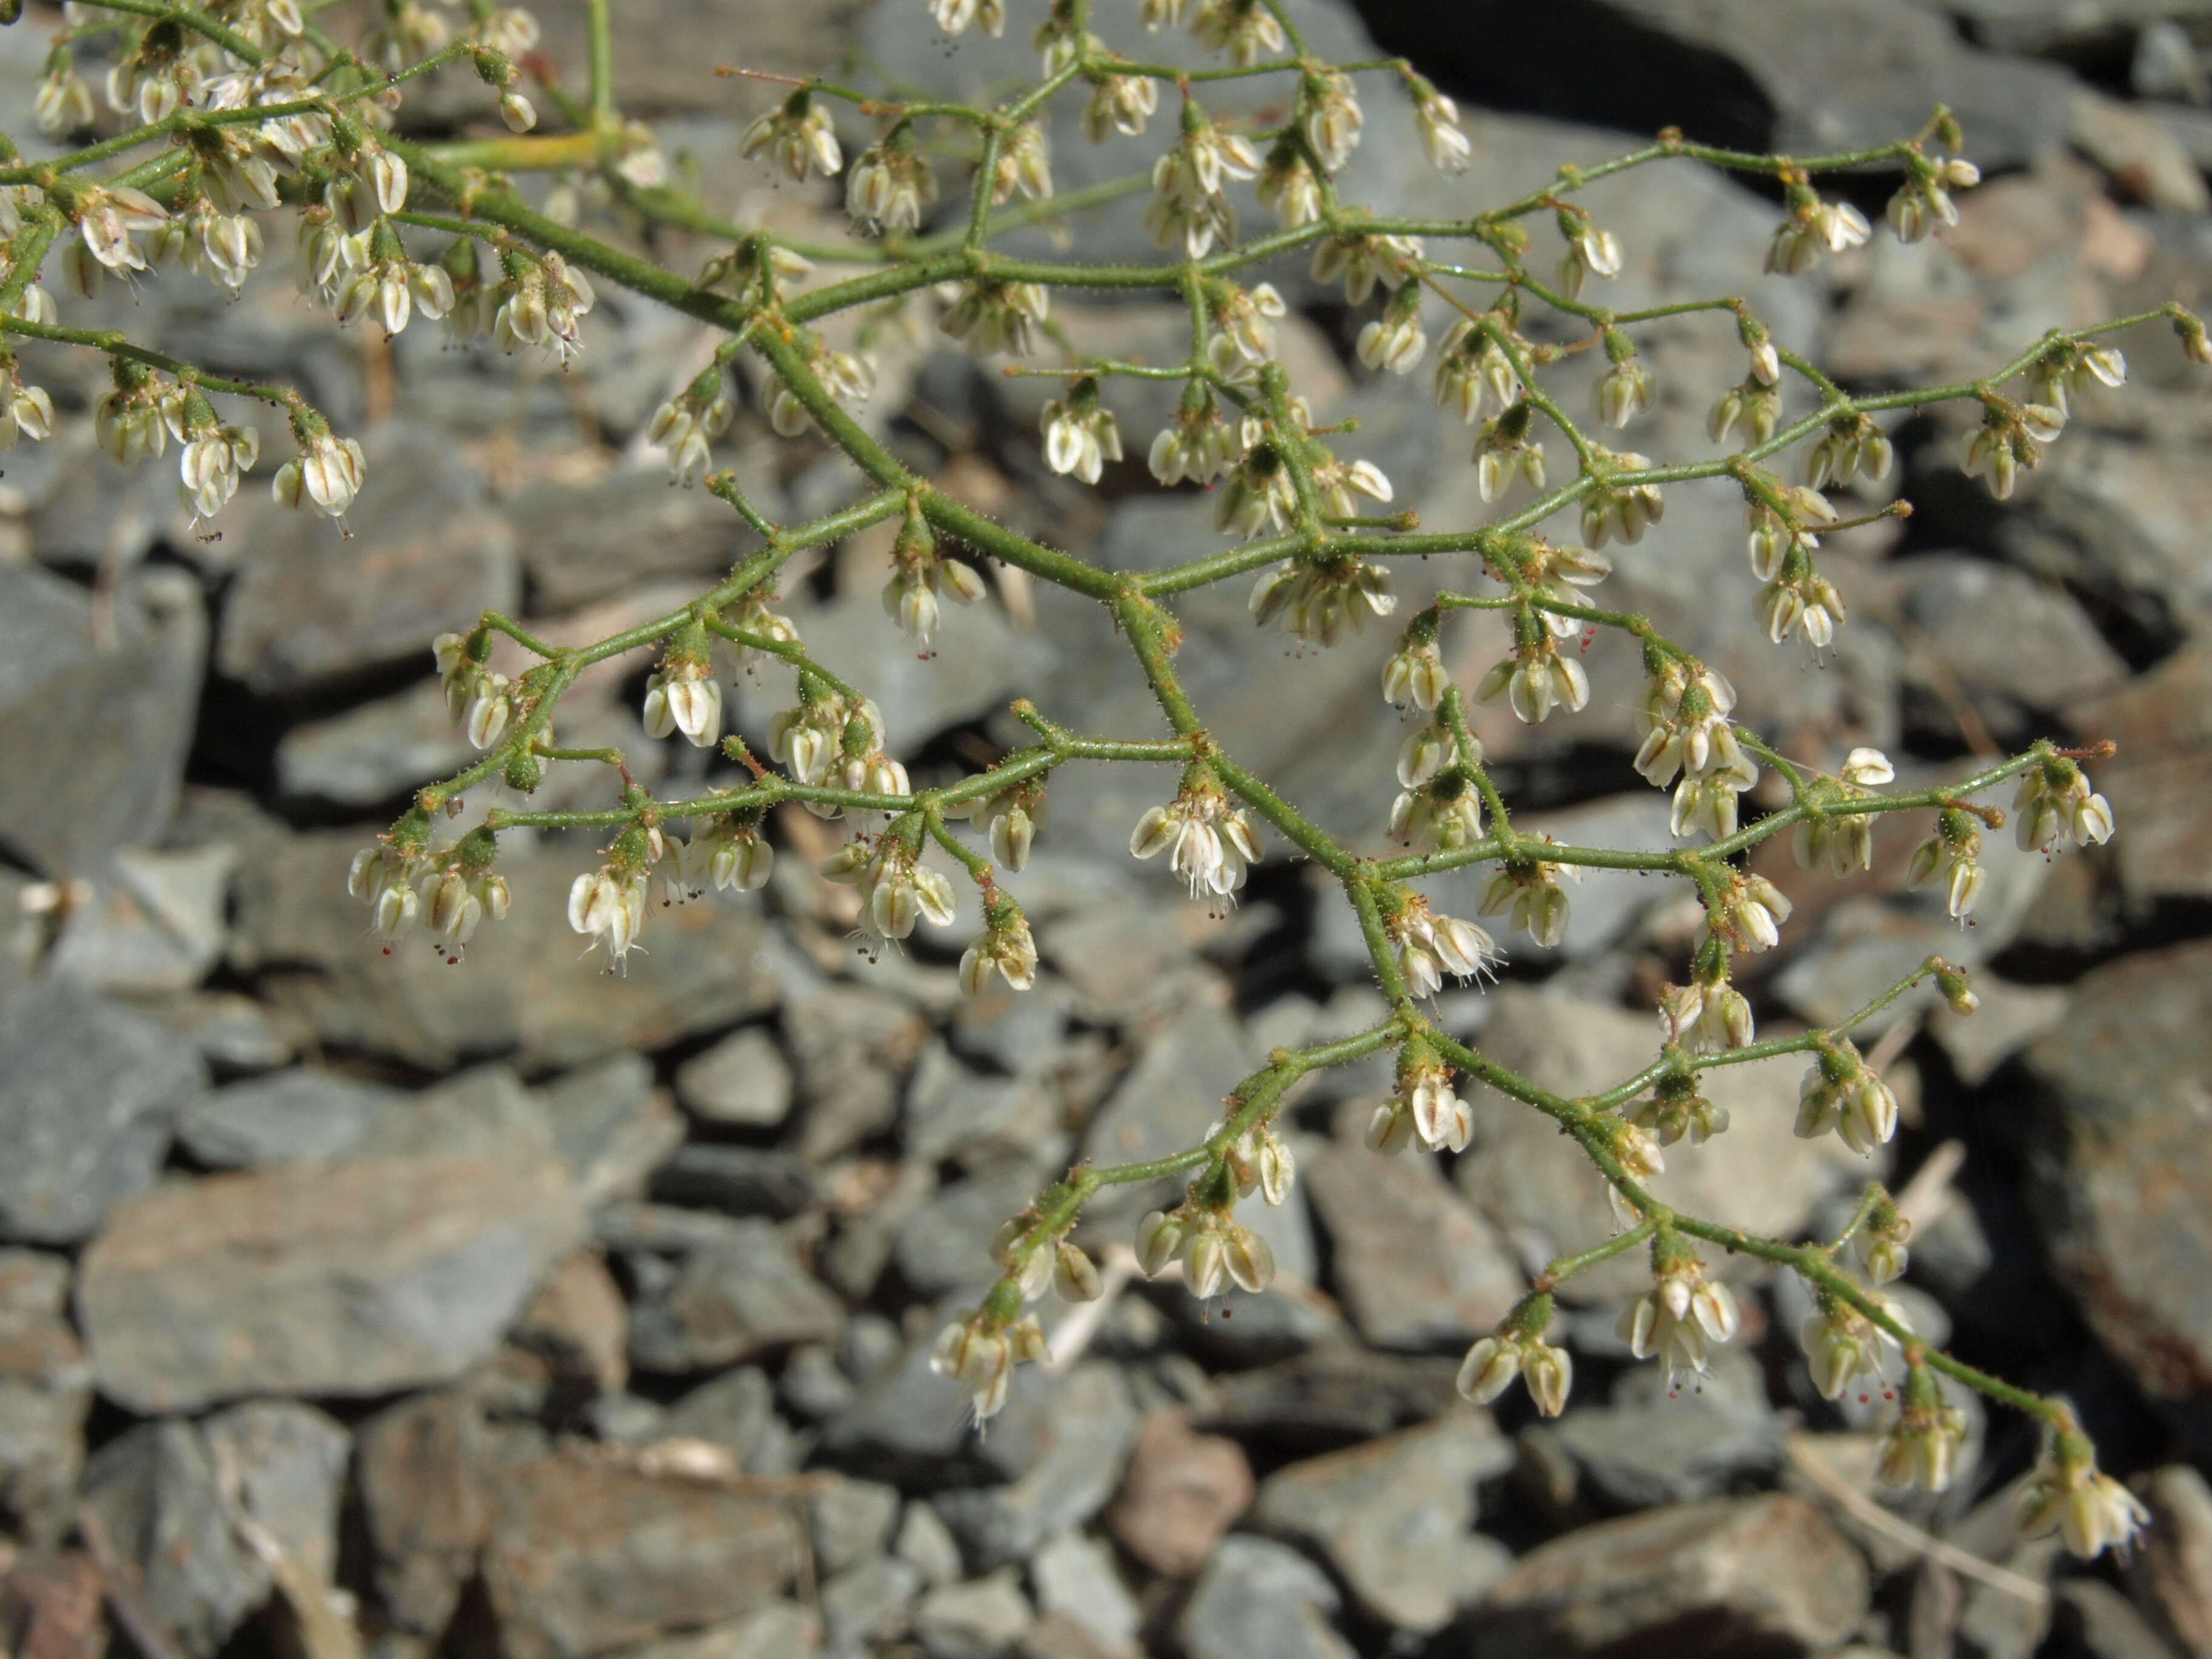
(235, 114)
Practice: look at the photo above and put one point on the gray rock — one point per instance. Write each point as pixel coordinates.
(1124, 958)
(1535, 1183)
(425, 559)
(374, 753)
(1645, 1448)
(2057, 26)
(1258, 1600)
(1394, 1517)
(742, 1079)
(952, 1112)
(585, 1555)
(611, 1126)
(2093, 1620)
(1075, 1577)
(1064, 1441)
(2010, 642)
(2162, 722)
(780, 1629)
(564, 531)
(524, 989)
(155, 924)
(93, 740)
(424, 1507)
(2118, 1165)
(1413, 1265)
(868, 1602)
(2009, 1018)
(849, 1521)
(1732, 71)
(737, 1410)
(230, 1029)
(289, 1462)
(2169, 1573)
(851, 1046)
(351, 1279)
(89, 1094)
(1764, 1575)
(814, 1387)
(946, 1244)
(981, 1619)
(738, 1181)
(154, 1493)
(1331, 1397)
(744, 1296)
(2110, 516)
(484, 1112)
(1171, 1096)
(298, 1116)
(928, 1544)
(46, 1388)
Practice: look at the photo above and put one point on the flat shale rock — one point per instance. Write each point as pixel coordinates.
(1764, 1578)
(587, 1555)
(352, 1280)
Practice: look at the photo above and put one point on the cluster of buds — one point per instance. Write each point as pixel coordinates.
(1749, 911)
(2055, 803)
(1004, 948)
(383, 877)
(477, 699)
(849, 377)
(1034, 1264)
(686, 426)
(1361, 259)
(1316, 601)
(992, 316)
(1615, 510)
(1536, 678)
(1415, 676)
(1216, 1250)
(891, 186)
(1010, 818)
(1853, 447)
(1674, 1110)
(1842, 1345)
(213, 456)
(825, 727)
(1329, 114)
(980, 1353)
(2009, 439)
(1245, 29)
(1438, 805)
(1435, 118)
(546, 296)
(1289, 188)
(1423, 1106)
(1430, 946)
(1923, 200)
(1709, 1013)
(108, 218)
(1684, 1311)
(326, 475)
(1813, 227)
(607, 905)
(896, 889)
(683, 693)
(372, 275)
(1623, 391)
(1197, 447)
(1505, 451)
(1260, 1160)
(1471, 363)
(1590, 252)
(2067, 366)
(797, 137)
(25, 411)
(1881, 1240)
(1188, 206)
(922, 577)
(1922, 1446)
(1842, 1093)
(955, 17)
(1842, 842)
(728, 853)
(1517, 1349)
(1951, 856)
(1120, 103)
(1526, 889)
(2090, 1511)
(1210, 841)
(1080, 434)
(1394, 341)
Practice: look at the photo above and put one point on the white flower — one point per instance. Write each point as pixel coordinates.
(1437, 116)
(1841, 1092)
(325, 478)
(1842, 1345)
(2055, 804)
(1492, 1364)
(1080, 436)
(1394, 341)
(954, 16)
(1415, 676)
(1004, 949)
(1679, 1315)
(1430, 946)
(890, 186)
(684, 697)
(797, 137)
(25, 411)
(1120, 103)
(1210, 843)
(607, 905)
(1316, 602)
(2090, 1510)
(1536, 680)
(1705, 1014)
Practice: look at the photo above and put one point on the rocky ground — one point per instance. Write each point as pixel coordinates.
(352, 1303)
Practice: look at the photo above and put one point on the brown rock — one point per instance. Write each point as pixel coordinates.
(2163, 726)
(2171, 1572)
(2123, 1189)
(1414, 1264)
(424, 1506)
(1182, 1491)
(579, 1324)
(51, 1606)
(1724, 1579)
(44, 1392)
(347, 1280)
(588, 1555)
